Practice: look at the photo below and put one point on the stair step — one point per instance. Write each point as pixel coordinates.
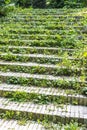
(38, 37)
(51, 93)
(42, 43)
(40, 56)
(43, 26)
(55, 22)
(48, 11)
(10, 124)
(31, 64)
(35, 68)
(39, 48)
(6, 124)
(43, 80)
(50, 112)
(37, 76)
(46, 15)
(16, 29)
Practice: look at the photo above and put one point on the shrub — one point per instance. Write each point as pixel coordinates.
(39, 3)
(56, 3)
(84, 91)
(24, 3)
(33, 3)
(6, 7)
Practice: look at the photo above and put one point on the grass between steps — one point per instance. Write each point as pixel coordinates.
(21, 96)
(65, 84)
(45, 59)
(57, 71)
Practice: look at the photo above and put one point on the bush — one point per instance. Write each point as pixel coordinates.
(84, 91)
(33, 3)
(6, 7)
(56, 3)
(67, 3)
(73, 3)
(39, 3)
(24, 3)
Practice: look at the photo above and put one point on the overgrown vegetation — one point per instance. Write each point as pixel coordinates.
(5, 7)
(54, 41)
(52, 3)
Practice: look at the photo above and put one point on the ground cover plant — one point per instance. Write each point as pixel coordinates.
(43, 62)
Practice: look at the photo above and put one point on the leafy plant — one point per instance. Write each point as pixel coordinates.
(84, 91)
(8, 8)
(72, 126)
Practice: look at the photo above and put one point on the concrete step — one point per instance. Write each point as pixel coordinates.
(40, 76)
(70, 96)
(39, 48)
(6, 124)
(44, 26)
(36, 68)
(31, 64)
(41, 43)
(50, 18)
(64, 82)
(56, 58)
(64, 113)
(48, 11)
(39, 36)
(67, 15)
(40, 58)
(16, 29)
(10, 124)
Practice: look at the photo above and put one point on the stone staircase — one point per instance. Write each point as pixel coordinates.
(42, 69)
